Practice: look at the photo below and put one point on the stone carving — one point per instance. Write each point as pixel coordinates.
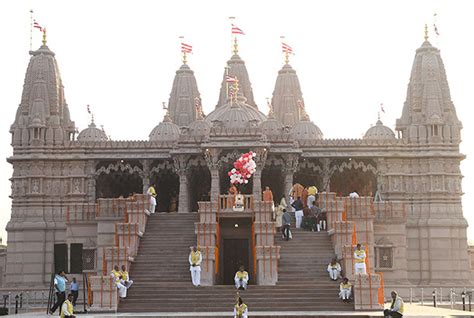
(35, 186)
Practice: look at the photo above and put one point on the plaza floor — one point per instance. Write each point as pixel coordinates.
(410, 311)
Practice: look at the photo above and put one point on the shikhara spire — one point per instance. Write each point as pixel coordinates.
(429, 114)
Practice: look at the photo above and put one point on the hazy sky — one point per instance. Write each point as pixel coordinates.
(121, 56)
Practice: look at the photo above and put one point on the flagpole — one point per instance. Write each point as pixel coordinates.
(232, 37)
(31, 30)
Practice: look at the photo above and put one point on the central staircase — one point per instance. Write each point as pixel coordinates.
(163, 281)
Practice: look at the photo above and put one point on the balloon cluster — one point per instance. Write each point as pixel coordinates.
(244, 168)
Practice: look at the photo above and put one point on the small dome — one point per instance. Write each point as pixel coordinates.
(305, 130)
(200, 128)
(379, 132)
(165, 131)
(271, 126)
(92, 133)
(237, 115)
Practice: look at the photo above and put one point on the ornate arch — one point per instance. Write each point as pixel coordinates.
(309, 165)
(354, 164)
(165, 165)
(119, 166)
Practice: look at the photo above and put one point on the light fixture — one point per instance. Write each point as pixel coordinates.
(236, 225)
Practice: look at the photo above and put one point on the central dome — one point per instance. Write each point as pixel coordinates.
(236, 115)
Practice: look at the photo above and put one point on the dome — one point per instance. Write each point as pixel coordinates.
(92, 133)
(200, 128)
(271, 126)
(379, 132)
(237, 114)
(165, 131)
(305, 130)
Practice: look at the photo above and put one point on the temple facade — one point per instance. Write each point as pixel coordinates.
(188, 154)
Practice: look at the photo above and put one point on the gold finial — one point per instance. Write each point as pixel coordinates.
(426, 32)
(44, 36)
(286, 51)
(236, 46)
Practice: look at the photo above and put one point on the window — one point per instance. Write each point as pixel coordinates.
(88, 259)
(384, 257)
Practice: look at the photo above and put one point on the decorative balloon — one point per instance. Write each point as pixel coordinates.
(244, 168)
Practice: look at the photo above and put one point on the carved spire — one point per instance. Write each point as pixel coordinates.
(286, 95)
(236, 68)
(43, 115)
(429, 114)
(181, 104)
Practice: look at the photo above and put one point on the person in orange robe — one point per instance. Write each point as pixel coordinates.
(267, 195)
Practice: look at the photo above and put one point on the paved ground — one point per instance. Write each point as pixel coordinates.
(410, 311)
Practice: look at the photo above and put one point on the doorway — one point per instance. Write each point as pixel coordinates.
(236, 253)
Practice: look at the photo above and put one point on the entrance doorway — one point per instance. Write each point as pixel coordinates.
(236, 253)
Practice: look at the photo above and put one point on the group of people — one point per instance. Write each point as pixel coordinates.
(335, 272)
(122, 280)
(241, 280)
(173, 206)
(65, 305)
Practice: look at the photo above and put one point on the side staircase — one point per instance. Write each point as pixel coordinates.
(163, 281)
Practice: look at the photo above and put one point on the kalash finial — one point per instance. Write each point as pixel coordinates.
(426, 32)
(44, 36)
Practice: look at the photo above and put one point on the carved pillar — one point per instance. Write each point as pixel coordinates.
(289, 168)
(326, 165)
(260, 160)
(180, 164)
(212, 161)
(146, 175)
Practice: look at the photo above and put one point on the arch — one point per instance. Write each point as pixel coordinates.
(348, 175)
(118, 179)
(163, 175)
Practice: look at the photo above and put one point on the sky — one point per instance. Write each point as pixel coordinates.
(120, 57)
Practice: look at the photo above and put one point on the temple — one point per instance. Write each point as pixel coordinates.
(84, 191)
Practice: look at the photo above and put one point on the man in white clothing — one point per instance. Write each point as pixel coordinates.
(353, 195)
(241, 278)
(359, 256)
(195, 259)
(334, 269)
(152, 193)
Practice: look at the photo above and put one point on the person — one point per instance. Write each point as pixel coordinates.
(67, 308)
(241, 278)
(117, 277)
(239, 202)
(286, 221)
(296, 190)
(353, 194)
(174, 202)
(74, 291)
(125, 277)
(240, 309)
(232, 192)
(359, 256)
(345, 289)
(152, 193)
(195, 259)
(279, 213)
(334, 269)
(396, 308)
(298, 205)
(60, 288)
(312, 191)
(316, 212)
(304, 197)
(267, 195)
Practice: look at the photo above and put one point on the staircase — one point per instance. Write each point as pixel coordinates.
(163, 281)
